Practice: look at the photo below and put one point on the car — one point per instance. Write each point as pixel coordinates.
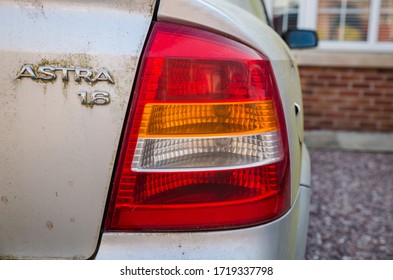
(168, 129)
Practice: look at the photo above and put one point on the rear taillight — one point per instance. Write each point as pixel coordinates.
(205, 146)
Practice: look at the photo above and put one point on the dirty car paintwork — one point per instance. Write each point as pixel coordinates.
(57, 155)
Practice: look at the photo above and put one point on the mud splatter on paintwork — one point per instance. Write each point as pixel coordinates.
(49, 225)
(4, 199)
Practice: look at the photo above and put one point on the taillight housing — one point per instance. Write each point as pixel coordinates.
(205, 146)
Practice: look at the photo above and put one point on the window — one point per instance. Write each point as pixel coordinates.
(385, 30)
(341, 24)
(343, 20)
(285, 15)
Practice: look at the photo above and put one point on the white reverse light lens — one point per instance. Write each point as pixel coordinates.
(168, 155)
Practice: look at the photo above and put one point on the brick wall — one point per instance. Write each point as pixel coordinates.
(352, 99)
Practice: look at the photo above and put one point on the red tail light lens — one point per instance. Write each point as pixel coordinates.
(205, 146)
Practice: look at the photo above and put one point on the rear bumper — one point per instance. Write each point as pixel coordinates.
(284, 238)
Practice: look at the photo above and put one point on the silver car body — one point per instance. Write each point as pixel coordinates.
(58, 156)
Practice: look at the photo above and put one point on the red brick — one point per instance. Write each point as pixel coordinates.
(315, 83)
(352, 77)
(347, 125)
(385, 71)
(371, 108)
(306, 73)
(307, 93)
(384, 102)
(327, 76)
(365, 70)
(349, 107)
(311, 99)
(335, 114)
(384, 86)
(359, 115)
(320, 107)
(355, 93)
(312, 114)
(373, 93)
(381, 115)
(360, 85)
(309, 126)
(338, 84)
(353, 100)
(388, 109)
(374, 77)
(385, 123)
(386, 128)
(363, 126)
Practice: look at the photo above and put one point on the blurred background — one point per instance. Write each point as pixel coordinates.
(347, 87)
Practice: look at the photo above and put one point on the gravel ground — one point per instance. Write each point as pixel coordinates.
(351, 206)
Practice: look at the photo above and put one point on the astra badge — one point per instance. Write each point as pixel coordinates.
(50, 73)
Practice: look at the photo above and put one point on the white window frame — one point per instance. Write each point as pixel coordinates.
(308, 17)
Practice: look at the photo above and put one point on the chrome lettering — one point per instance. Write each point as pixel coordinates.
(64, 70)
(48, 73)
(84, 73)
(30, 73)
(96, 98)
(103, 75)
